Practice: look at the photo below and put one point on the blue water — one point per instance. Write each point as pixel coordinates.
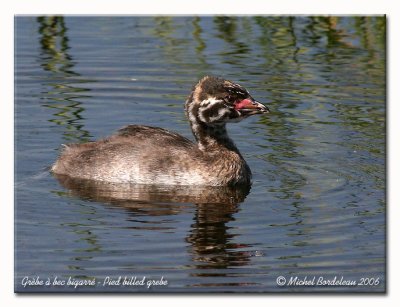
(317, 204)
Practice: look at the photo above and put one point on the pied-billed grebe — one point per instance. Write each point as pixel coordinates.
(150, 155)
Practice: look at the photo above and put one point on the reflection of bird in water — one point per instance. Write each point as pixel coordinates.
(209, 235)
(149, 155)
(211, 239)
(117, 193)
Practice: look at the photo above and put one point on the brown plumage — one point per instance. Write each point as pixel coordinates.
(150, 155)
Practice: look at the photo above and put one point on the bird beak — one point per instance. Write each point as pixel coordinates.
(260, 107)
(249, 106)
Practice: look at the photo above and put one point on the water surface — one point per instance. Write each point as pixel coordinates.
(317, 203)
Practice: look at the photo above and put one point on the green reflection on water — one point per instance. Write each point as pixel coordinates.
(60, 93)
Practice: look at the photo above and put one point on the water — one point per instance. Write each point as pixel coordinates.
(317, 204)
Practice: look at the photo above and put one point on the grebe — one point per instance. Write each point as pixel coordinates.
(151, 155)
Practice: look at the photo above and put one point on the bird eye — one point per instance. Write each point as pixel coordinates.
(228, 98)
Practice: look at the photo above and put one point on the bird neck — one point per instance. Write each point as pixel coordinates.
(212, 137)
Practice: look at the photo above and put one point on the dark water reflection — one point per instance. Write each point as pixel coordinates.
(215, 207)
(317, 204)
(111, 192)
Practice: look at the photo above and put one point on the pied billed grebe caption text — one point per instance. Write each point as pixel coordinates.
(119, 281)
